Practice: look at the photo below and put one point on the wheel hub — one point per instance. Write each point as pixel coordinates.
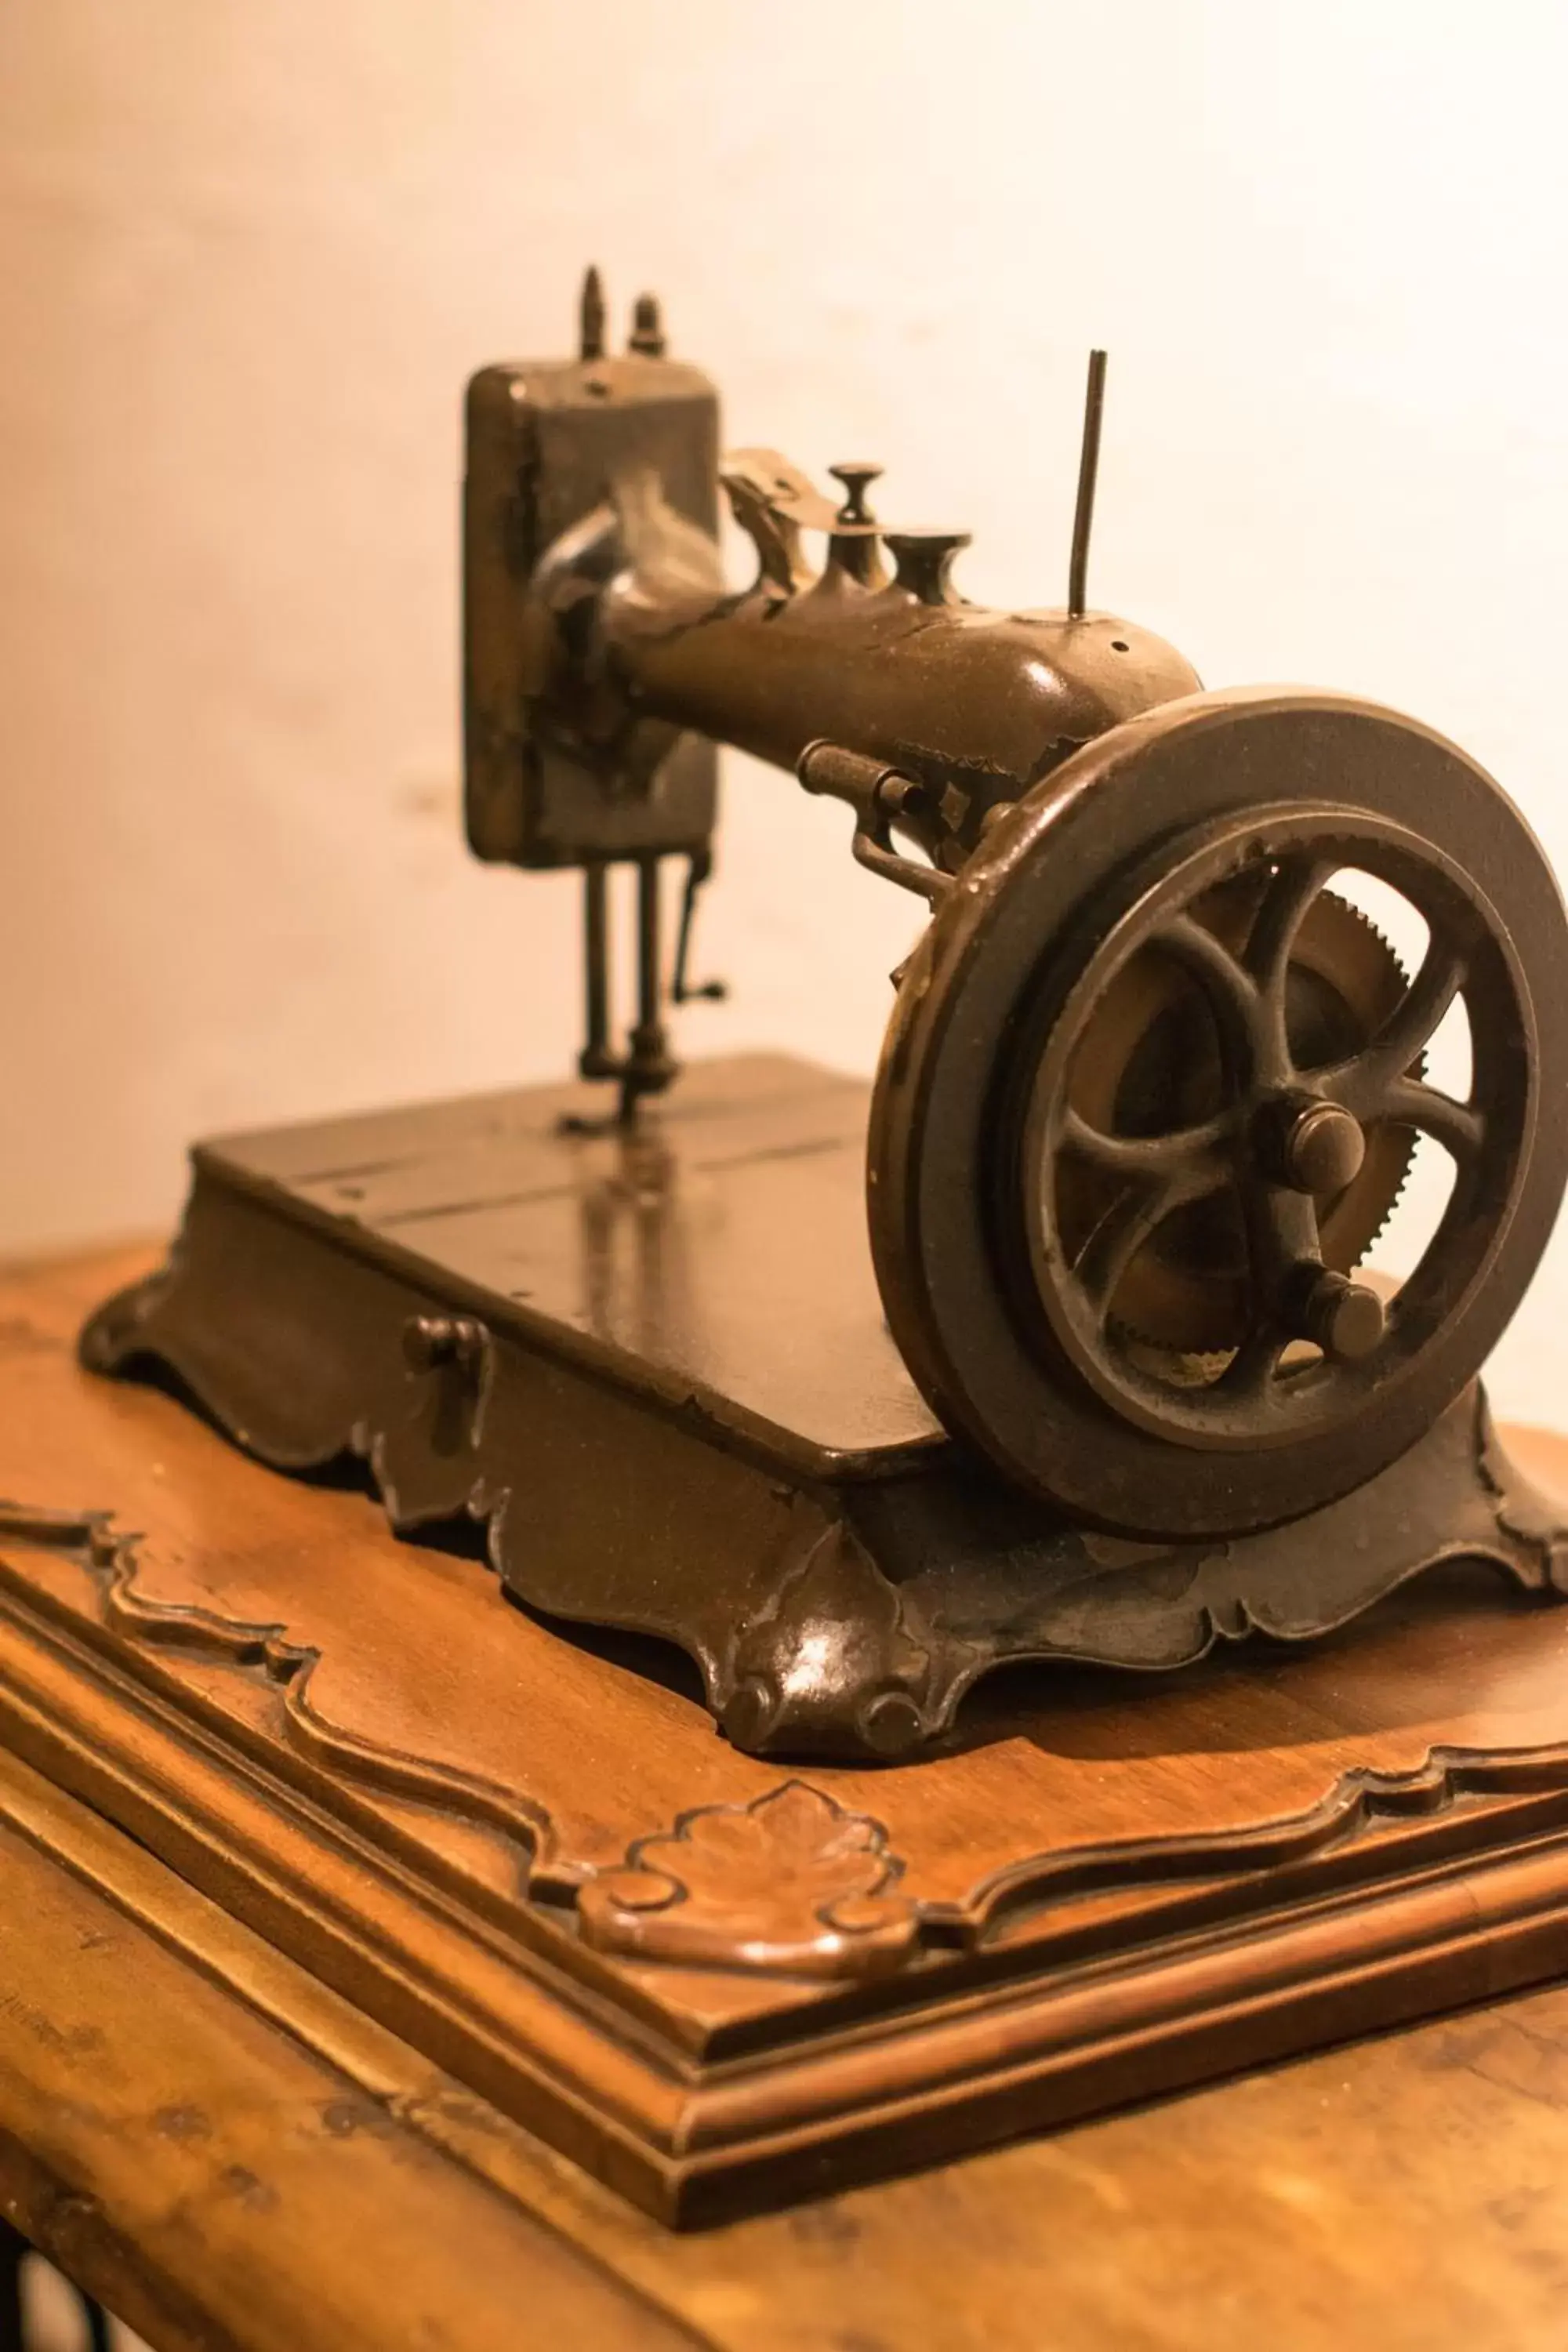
(1090, 1250)
(1152, 1059)
(1318, 1146)
(1221, 1121)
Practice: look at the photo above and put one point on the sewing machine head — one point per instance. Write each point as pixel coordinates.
(1151, 1084)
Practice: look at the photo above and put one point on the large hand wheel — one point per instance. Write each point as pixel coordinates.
(1151, 1086)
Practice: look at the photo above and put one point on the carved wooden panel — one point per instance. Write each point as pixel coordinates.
(533, 1857)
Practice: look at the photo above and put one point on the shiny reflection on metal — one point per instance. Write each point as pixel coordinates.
(1148, 1094)
(690, 1419)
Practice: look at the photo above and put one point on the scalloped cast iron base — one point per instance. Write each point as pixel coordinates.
(653, 1360)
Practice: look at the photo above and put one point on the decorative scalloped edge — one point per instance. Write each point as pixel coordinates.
(266, 1651)
(656, 1907)
(833, 1643)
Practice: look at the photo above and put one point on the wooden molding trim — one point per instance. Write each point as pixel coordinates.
(714, 1989)
(789, 1883)
(1464, 1895)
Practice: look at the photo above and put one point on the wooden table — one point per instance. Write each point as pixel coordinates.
(229, 2153)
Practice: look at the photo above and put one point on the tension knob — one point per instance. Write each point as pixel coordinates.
(923, 560)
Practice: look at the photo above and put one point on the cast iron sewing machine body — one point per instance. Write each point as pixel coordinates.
(1153, 1086)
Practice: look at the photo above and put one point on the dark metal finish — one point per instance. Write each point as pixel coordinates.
(683, 989)
(1318, 1146)
(431, 1340)
(653, 1363)
(853, 545)
(591, 318)
(1006, 1313)
(982, 703)
(923, 560)
(855, 476)
(648, 327)
(1264, 1092)
(1149, 1061)
(1088, 475)
(566, 462)
(1150, 1094)
(881, 798)
(1346, 1319)
(597, 1060)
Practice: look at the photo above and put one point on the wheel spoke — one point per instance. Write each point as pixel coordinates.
(1230, 990)
(1257, 1070)
(1282, 1236)
(1281, 913)
(1457, 1125)
(1146, 1156)
(1129, 1223)
(1412, 1023)
(1362, 1084)
(1249, 1378)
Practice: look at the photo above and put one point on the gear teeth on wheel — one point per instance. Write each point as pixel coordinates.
(1213, 1345)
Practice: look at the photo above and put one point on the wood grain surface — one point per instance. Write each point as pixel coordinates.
(1399, 2191)
(232, 2156)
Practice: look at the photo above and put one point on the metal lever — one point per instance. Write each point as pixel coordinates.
(1087, 472)
(699, 871)
(879, 794)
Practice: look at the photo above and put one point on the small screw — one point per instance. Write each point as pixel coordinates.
(890, 1724)
(749, 1715)
(1347, 1319)
(648, 327)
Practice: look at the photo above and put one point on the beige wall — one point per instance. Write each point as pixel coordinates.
(249, 249)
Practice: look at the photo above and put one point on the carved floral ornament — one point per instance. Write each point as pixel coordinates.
(791, 1881)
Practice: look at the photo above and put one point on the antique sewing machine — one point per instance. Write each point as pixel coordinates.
(1067, 1346)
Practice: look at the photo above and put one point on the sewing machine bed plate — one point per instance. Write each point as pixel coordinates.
(715, 1980)
(668, 1395)
(712, 1255)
